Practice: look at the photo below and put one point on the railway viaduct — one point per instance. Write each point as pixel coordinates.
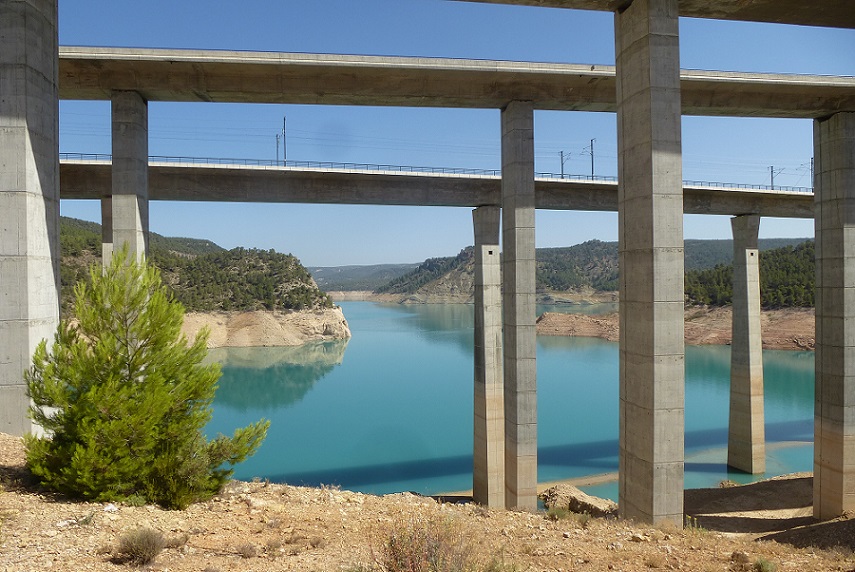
(648, 92)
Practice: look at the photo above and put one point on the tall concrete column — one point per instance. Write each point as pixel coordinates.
(106, 230)
(29, 196)
(518, 308)
(834, 416)
(488, 475)
(746, 442)
(130, 172)
(650, 220)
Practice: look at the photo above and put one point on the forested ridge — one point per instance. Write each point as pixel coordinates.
(200, 274)
(786, 271)
(787, 279)
(428, 271)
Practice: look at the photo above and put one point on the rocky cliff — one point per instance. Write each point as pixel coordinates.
(264, 328)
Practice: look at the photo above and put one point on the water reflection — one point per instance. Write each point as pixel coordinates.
(787, 375)
(581, 308)
(453, 323)
(272, 378)
(442, 323)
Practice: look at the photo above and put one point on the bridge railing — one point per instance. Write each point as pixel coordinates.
(787, 188)
(344, 166)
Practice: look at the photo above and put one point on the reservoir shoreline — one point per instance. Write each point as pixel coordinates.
(782, 329)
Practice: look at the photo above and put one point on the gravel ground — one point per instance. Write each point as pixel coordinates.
(261, 526)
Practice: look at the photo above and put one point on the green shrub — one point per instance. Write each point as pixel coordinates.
(764, 565)
(140, 546)
(123, 398)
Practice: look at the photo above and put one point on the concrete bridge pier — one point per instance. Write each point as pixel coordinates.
(129, 201)
(29, 196)
(650, 233)
(518, 308)
(106, 229)
(746, 442)
(488, 475)
(834, 417)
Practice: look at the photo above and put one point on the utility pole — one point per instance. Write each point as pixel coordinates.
(563, 160)
(592, 159)
(772, 173)
(590, 151)
(284, 150)
(812, 182)
(277, 148)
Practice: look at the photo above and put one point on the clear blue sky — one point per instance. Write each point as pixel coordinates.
(715, 149)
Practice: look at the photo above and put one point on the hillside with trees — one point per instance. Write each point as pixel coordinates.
(592, 264)
(430, 271)
(703, 253)
(787, 279)
(786, 272)
(200, 274)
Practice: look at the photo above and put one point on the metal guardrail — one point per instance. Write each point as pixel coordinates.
(340, 166)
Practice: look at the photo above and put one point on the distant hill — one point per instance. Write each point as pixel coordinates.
(708, 253)
(351, 278)
(593, 265)
(201, 274)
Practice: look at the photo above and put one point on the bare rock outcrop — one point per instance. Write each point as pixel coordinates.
(571, 498)
(265, 329)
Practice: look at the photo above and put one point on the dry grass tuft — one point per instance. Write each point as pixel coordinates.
(141, 546)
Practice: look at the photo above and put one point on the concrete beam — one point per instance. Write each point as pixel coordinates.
(746, 443)
(650, 227)
(518, 306)
(488, 483)
(834, 424)
(830, 13)
(263, 77)
(130, 173)
(170, 182)
(29, 197)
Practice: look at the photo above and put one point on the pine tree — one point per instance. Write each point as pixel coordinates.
(123, 398)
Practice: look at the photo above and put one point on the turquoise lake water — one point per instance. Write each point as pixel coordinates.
(391, 410)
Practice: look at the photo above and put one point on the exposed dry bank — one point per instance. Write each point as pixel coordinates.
(786, 329)
(265, 328)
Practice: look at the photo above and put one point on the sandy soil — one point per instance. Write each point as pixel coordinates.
(264, 329)
(260, 526)
(787, 329)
